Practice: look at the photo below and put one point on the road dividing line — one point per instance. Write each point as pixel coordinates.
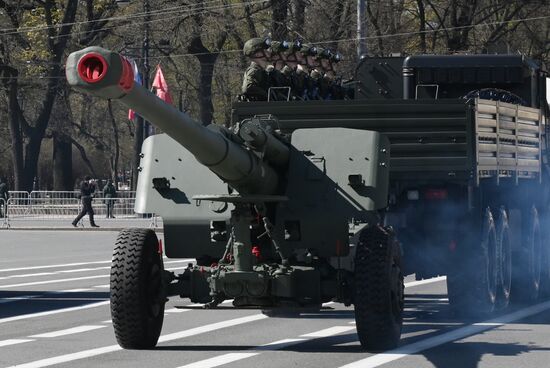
(458, 334)
(329, 332)
(20, 276)
(57, 311)
(68, 331)
(52, 281)
(177, 310)
(13, 342)
(427, 281)
(220, 360)
(74, 291)
(11, 299)
(186, 260)
(52, 266)
(112, 348)
(272, 346)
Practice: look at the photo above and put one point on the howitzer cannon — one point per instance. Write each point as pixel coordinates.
(274, 221)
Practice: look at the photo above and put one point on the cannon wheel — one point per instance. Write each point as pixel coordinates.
(472, 281)
(528, 261)
(379, 295)
(137, 297)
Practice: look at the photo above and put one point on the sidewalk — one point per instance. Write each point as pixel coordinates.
(64, 223)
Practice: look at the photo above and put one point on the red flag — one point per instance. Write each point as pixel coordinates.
(161, 86)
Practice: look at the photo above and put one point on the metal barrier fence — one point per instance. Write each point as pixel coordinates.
(58, 209)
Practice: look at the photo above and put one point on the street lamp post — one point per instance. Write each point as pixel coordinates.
(142, 127)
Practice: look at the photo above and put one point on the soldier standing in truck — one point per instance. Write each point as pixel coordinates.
(255, 86)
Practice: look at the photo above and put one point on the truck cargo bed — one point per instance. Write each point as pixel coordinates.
(442, 139)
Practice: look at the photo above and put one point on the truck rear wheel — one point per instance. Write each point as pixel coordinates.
(544, 292)
(137, 297)
(472, 281)
(504, 260)
(379, 295)
(527, 261)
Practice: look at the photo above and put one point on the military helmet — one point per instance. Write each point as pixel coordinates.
(279, 46)
(336, 57)
(323, 54)
(295, 46)
(256, 44)
(308, 50)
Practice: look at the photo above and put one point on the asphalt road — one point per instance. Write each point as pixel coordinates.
(54, 310)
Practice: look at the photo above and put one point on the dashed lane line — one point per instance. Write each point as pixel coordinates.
(458, 334)
(272, 346)
(74, 290)
(20, 276)
(52, 266)
(426, 281)
(185, 260)
(220, 360)
(165, 338)
(52, 281)
(68, 331)
(13, 342)
(331, 331)
(57, 311)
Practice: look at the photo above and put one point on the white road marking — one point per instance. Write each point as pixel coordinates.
(186, 260)
(458, 334)
(177, 310)
(427, 281)
(13, 342)
(54, 273)
(74, 290)
(12, 299)
(52, 281)
(272, 346)
(219, 360)
(329, 332)
(109, 349)
(279, 344)
(57, 311)
(68, 331)
(52, 266)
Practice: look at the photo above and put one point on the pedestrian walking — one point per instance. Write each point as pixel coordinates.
(4, 195)
(109, 193)
(87, 189)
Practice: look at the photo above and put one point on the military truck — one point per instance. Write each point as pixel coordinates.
(301, 203)
(469, 176)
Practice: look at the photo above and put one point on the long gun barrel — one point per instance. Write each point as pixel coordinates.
(109, 75)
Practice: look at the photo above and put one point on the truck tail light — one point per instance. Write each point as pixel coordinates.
(436, 194)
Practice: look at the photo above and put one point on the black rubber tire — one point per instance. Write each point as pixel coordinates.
(137, 296)
(544, 291)
(472, 278)
(504, 260)
(526, 272)
(379, 289)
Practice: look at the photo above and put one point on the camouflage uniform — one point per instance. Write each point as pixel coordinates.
(324, 81)
(255, 83)
(254, 86)
(304, 85)
(275, 76)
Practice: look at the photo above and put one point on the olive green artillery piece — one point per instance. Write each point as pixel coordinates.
(277, 222)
